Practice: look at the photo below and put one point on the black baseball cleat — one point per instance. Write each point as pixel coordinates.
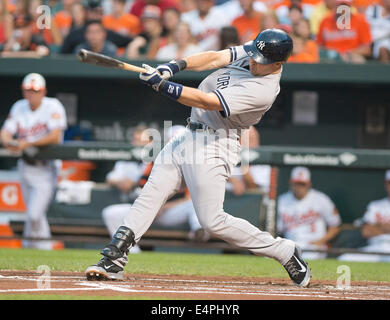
(297, 269)
(105, 269)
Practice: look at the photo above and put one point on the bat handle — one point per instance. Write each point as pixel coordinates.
(130, 67)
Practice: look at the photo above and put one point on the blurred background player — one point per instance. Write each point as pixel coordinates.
(177, 211)
(125, 177)
(35, 121)
(307, 216)
(125, 174)
(376, 230)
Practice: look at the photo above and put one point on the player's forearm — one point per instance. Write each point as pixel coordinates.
(185, 95)
(385, 227)
(53, 137)
(195, 98)
(5, 137)
(249, 181)
(208, 60)
(330, 234)
(371, 230)
(364, 51)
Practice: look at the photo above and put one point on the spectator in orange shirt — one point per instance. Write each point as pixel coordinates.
(63, 18)
(247, 25)
(305, 50)
(354, 43)
(120, 21)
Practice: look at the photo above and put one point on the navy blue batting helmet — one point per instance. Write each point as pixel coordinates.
(271, 45)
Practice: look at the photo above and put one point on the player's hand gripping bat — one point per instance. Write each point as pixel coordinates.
(104, 61)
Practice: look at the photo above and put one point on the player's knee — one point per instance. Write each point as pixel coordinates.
(212, 222)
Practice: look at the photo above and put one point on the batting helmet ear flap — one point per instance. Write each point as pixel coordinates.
(251, 50)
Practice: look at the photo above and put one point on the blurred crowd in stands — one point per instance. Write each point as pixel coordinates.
(345, 30)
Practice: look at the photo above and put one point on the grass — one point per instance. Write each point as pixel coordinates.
(188, 264)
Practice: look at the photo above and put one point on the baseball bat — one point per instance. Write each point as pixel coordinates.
(98, 59)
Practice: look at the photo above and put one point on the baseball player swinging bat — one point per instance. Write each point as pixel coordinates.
(105, 61)
(228, 101)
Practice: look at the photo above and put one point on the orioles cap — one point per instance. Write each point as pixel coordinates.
(300, 174)
(33, 81)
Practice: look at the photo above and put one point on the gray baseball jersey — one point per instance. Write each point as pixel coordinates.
(244, 97)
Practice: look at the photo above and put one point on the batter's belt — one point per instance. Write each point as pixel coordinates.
(193, 126)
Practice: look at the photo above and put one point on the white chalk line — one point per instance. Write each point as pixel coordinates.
(215, 291)
(245, 284)
(196, 290)
(49, 289)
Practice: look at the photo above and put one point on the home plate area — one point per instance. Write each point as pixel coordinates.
(185, 287)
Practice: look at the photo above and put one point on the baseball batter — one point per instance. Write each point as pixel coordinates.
(35, 121)
(227, 102)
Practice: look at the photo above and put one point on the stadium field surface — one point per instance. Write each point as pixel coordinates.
(37, 274)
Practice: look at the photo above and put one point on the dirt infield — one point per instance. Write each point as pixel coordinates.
(186, 287)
